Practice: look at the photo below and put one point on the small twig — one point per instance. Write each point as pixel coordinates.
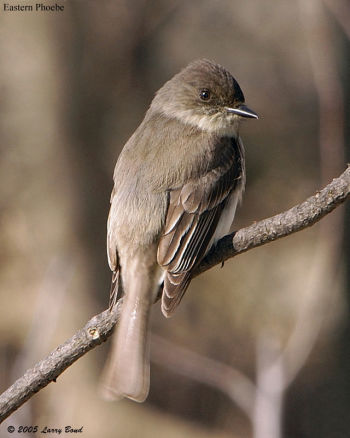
(101, 326)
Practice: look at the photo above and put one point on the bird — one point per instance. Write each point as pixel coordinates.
(177, 183)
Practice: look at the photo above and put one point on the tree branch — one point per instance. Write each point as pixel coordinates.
(47, 370)
(267, 230)
(101, 326)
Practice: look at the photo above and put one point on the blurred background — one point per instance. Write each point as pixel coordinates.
(257, 349)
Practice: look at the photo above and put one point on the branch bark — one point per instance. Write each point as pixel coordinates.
(267, 230)
(100, 327)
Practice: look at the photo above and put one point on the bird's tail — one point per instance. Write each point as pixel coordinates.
(127, 371)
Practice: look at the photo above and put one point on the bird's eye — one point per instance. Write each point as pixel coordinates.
(204, 94)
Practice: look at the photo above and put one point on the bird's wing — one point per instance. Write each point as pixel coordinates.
(193, 213)
(115, 290)
(112, 253)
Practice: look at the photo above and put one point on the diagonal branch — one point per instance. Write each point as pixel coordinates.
(295, 219)
(47, 370)
(100, 327)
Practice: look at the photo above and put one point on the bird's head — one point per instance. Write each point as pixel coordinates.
(204, 95)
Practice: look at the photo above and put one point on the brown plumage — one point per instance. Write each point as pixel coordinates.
(192, 217)
(176, 187)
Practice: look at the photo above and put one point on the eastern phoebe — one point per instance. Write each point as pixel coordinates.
(177, 183)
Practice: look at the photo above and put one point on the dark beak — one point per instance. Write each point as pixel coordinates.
(243, 111)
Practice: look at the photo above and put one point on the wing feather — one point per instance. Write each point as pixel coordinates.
(193, 213)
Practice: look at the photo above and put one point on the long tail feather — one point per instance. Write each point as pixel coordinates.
(127, 372)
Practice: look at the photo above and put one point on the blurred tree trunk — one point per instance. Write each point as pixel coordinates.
(344, 351)
(100, 102)
(335, 418)
(325, 408)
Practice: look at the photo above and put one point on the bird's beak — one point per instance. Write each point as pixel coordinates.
(243, 111)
